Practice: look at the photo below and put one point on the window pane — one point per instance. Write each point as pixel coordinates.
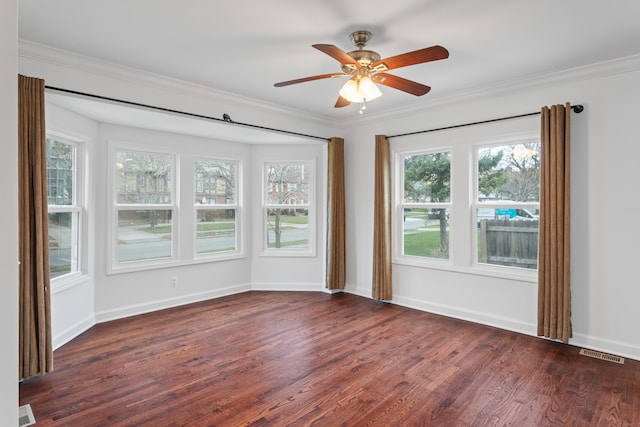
(509, 172)
(144, 178)
(60, 170)
(427, 178)
(144, 234)
(426, 233)
(288, 228)
(215, 182)
(63, 250)
(508, 241)
(215, 230)
(288, 183)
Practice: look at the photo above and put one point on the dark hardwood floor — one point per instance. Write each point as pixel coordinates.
(295, 358)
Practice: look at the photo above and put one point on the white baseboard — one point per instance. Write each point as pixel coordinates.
(579, 340)
(70, 333)
(278, 286)
(132, 310)
(468, 315)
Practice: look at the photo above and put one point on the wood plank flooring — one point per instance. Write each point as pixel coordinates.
(304, 358)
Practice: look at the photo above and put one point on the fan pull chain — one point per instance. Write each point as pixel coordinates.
(363, 106)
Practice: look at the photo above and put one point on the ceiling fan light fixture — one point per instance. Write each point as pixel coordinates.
(360, 89)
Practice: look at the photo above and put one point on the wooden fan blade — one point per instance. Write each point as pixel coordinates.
(337, 54)
(341, 102)
(427, 54)
(308, 79)
(409, 86)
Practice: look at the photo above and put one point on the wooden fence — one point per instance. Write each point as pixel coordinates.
(509, 242)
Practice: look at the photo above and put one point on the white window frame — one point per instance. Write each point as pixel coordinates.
(476, 204)
(77, 208)
(237, 206)
(399, 206)
(310, 250)
(115, 266)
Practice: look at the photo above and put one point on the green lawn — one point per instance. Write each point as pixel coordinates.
(424, 244)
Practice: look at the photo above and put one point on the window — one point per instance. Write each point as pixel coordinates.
(64, 205)
(288, 206)
(216, 206)
(507, 203)
(424, 203)
(144, 206)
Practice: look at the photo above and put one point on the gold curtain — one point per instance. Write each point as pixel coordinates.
(35, 347)
(382, 289)
(336, 252)
(554, 292)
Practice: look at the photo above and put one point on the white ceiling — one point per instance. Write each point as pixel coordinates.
(244, 47)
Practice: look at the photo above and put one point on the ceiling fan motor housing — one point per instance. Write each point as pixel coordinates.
(364, 58)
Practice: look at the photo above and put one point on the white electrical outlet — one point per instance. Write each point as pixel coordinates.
(173, 282)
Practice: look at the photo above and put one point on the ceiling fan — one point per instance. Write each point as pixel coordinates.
(366, 68)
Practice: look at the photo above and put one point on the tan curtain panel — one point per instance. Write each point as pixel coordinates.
(35, 347)
(336, 249)
(554, 292)
(382, 289)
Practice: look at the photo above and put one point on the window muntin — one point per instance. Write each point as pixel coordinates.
(287, 205)
(507, 203)
(425, 203)
(64, 206)
(144, 206)
(216, 206)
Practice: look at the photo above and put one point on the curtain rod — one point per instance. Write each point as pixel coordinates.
(576, 109)
(225, 117)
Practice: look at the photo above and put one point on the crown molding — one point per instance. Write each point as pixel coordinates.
(532, 81)
(66, 59)
(101, 68)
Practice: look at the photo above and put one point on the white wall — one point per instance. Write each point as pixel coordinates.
(123, 294)
(9, 215)
(604, 202)
(72, 301)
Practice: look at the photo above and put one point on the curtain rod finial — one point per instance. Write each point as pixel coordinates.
(577, 108)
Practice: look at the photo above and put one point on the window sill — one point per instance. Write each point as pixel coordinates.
(64, 283)
(287, 254)
(509, 273)
(156, 265)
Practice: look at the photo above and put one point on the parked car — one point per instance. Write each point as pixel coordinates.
(508, 213)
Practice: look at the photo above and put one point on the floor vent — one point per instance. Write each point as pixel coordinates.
(25, 416)
(602, 356)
